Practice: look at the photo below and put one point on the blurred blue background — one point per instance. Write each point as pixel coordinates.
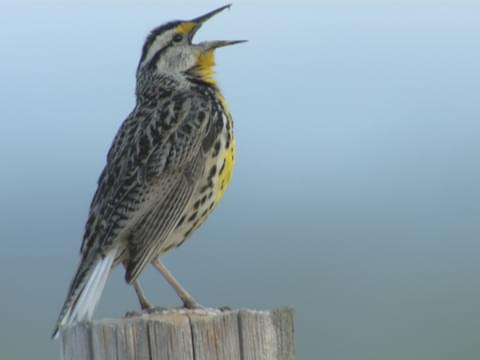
(356, 196)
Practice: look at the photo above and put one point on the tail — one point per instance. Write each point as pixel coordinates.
(85, 290)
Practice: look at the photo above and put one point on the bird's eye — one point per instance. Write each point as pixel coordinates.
(178, 37)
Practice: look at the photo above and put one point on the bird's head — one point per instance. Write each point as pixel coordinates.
(169, 49)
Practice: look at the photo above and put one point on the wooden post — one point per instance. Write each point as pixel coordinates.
(180, 334)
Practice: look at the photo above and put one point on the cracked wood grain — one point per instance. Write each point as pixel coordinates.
(180, 334)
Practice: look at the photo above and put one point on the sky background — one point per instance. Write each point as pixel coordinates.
(356, 195)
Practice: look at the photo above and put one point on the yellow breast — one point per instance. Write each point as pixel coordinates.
(225, 175)
(205, 70)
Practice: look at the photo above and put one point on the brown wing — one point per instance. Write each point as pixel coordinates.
(153, 166)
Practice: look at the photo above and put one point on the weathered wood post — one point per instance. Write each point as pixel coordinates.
(179, 334)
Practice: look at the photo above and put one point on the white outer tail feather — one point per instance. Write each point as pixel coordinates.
(83, 308)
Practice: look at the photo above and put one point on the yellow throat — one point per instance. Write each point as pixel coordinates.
(205, 67)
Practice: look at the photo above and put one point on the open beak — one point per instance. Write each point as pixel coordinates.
(210, 45)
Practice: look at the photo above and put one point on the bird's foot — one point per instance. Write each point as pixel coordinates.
(146, 311)
(192, 305)
(145, 304)
(133, 313)
(155, 309)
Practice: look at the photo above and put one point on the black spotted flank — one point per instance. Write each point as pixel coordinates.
(204, 188)
(229, 139)
(216, 148)
(213, 171)
(222, 168)
(189, 231)
(196, 205)
(192, 217)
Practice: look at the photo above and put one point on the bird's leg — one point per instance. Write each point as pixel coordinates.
(142, 299)
(144, 303)
(188, 301)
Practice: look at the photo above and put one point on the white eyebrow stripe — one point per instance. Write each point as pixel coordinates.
(159, 43)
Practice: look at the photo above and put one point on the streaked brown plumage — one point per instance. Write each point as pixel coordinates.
(167, 168)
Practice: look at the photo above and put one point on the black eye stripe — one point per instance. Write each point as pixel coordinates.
(157, 55)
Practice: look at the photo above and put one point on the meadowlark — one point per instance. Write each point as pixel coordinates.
(169, 165)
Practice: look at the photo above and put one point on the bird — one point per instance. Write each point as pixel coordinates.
(169, 165)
